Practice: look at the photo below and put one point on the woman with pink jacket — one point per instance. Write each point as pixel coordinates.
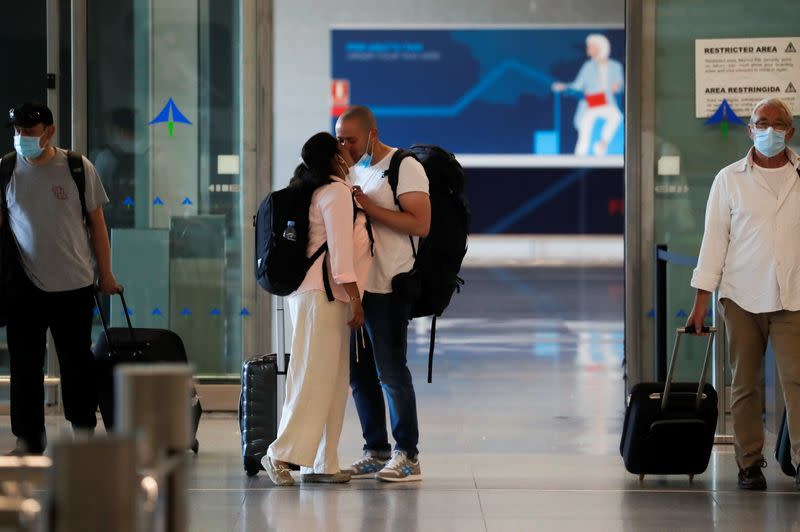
(317, 382)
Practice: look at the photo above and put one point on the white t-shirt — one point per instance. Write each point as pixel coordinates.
(393, 253)
(776, 178)
(45, 216)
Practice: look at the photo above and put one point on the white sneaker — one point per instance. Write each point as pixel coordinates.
(400, 469)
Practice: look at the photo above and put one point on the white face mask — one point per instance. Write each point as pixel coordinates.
(366, 159)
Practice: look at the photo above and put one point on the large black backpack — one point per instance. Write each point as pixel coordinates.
(281, 265)
(437, 263)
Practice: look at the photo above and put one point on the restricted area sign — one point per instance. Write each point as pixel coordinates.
(744, 71)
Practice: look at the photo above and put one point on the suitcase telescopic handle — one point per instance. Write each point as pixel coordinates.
(103, 318)
(710, 332)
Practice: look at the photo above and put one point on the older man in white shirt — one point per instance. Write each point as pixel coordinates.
(751, 253)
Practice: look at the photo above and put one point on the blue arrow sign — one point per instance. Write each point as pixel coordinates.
(186, 312)
(170, 114)
(156, 312)
(187, 201)
(130, 312)
(244, 313)
(723, 115)
(128, 202)
(96, 312)
(651, 313)
(215, 312)
(681, 314)
(158, 201)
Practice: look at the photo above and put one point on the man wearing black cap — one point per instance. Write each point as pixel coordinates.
(54, 270)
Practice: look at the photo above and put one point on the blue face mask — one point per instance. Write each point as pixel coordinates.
(769, 142)
(366, 159)
(28, 147)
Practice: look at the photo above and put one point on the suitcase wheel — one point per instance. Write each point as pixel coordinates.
(251, 466)
(196, 446)
(641, 477)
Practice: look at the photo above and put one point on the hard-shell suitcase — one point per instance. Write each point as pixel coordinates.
(126, 345)
(258, 402)
(258, 410)
(669, 427)
(783, 449)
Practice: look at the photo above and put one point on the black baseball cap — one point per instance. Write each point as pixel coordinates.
(29, 114)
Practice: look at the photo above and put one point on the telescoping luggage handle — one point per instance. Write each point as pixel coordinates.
(710, 331)
(105, 323)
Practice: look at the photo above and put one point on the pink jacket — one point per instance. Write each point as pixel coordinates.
(349, 258)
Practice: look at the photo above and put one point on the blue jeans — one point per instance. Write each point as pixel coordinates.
(382, 368)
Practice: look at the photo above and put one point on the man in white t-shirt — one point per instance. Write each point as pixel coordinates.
(751, 253)
(383, 367)
(52, 276)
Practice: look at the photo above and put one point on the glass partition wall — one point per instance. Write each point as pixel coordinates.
(156, 94)
(673, 158)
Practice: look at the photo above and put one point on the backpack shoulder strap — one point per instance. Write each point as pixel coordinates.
(7, 165)
(393, 173)
(75, 161)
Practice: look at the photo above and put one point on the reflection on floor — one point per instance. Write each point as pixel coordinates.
(520, 431)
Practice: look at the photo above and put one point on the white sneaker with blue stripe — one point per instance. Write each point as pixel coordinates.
(400, 469)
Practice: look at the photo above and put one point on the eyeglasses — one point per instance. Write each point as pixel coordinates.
(763, 125)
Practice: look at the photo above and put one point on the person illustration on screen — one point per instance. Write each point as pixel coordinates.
(599, 79)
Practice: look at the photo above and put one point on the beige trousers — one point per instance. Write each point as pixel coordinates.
(317, 384)
(748, 335)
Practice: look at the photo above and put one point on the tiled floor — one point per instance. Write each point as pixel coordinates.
(520, 431)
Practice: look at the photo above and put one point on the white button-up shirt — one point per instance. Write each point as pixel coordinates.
(751, 244)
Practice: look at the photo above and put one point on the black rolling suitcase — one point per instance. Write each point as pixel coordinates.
(258, 402)
(258, 410)
(783, 449)
(669, 427)
(126, 345)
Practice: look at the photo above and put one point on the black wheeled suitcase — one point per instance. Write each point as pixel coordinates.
(126, 345)
(669, 427)
(258, 402)
(783, 449)
(258, 410)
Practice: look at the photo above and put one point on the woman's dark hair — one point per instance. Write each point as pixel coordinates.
(315, 169)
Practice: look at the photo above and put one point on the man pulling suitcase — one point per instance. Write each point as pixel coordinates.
(50, 197)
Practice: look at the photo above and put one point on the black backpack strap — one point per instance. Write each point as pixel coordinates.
(393, 175)
(326, 281)
(430, 353)
(75, 161)
(323, 250)
(7, 165)
(368, 225)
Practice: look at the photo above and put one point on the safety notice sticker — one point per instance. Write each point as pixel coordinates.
(744, 71)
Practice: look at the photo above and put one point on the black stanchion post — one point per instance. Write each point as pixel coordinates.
(660, 307)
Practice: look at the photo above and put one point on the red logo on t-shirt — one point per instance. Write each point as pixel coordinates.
(60, 193)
